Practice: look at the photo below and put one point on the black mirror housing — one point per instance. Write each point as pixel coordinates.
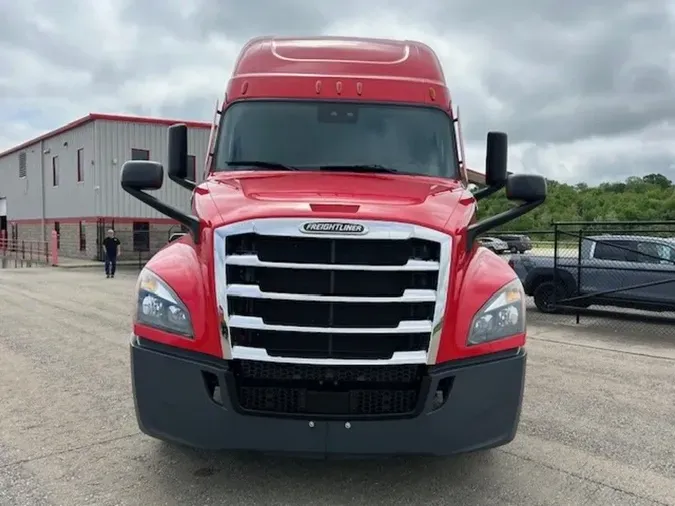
(496, 156)
(178, 156)
(142, 175)
(526, 187)
(178, 151)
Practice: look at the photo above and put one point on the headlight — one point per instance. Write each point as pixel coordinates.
(158, 306)
(502, 316)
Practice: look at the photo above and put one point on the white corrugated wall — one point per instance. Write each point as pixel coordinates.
(70, 198)
(115, 141)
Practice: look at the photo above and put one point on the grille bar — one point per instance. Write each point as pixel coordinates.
(261, 354)
(254, 292)
(256, 323)
(254, 261)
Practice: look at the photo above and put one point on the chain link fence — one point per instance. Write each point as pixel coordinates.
(618, 275)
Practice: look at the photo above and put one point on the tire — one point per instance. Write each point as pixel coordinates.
(513, 249)
(544, 295)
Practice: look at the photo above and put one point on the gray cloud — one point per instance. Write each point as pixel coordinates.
(566, 80)
(581, 68)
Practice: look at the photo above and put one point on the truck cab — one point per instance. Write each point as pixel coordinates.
(330, 296)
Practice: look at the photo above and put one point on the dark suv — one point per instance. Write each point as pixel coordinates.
(517, 243)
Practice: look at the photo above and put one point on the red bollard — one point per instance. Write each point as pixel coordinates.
(55, 248)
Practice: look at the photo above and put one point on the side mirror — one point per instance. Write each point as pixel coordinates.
(496, 159)
(495, 165)
(142, 175)
(473, 188)
(526, 187)
(178, 156)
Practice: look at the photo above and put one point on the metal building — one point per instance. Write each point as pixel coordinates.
(68, 180)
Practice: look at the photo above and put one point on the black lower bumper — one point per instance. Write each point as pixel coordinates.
(174, 402)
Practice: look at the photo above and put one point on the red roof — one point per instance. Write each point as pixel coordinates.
(105, 117)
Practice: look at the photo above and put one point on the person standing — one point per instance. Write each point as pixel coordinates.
(111, 252)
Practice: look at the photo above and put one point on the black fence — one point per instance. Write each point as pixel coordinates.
(624, 270)
(16, 253)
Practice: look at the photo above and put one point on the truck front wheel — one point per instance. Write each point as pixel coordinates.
(546, 296)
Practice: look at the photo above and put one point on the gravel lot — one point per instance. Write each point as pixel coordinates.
(598, 425)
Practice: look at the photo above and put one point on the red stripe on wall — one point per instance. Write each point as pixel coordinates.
(93, 219)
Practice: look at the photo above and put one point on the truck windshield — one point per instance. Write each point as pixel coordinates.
(306, 135)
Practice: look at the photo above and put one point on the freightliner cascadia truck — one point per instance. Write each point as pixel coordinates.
(329, 295)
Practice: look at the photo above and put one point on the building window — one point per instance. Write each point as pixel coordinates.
(80, 165)
(83, 237)
(141, 236)
(57, 229)
(55, 171)
(192, 168)
(140, 154)
(22, 164)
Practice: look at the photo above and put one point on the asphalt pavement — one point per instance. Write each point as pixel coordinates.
(598, 425)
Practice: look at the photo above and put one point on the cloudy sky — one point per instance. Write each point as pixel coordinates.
(585, 88)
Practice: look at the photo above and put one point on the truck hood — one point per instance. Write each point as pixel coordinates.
(426, 201)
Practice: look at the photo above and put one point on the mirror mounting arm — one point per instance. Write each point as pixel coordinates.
(185, 183)
(487, 191)
(483, 226)
(191, 222)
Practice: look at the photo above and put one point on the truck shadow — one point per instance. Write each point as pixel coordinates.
(284, 478)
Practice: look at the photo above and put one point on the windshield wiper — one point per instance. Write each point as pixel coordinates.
(362, 168)
(260, 164)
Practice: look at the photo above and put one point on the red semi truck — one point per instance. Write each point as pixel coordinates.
(329, 295)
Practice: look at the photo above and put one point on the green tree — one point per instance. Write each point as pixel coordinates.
(651, 197)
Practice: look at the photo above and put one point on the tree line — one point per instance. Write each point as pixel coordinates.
(651, 197)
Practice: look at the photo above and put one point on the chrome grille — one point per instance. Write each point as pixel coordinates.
(289, 296)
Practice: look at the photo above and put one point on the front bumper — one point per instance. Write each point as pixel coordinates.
(173, 402)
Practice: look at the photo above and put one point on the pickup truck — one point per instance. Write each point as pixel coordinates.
(516, 243)
(494, 244)
(635, 272)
